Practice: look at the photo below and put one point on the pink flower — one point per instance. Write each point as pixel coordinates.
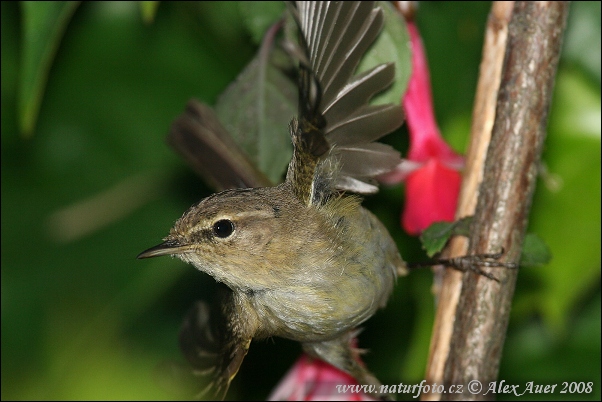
(314, 380)
(431, 171)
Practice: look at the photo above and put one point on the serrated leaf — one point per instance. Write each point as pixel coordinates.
(43, 26)
(256, 110)
(436, 236)
(392, 45)
(535, 252)
(259, 15)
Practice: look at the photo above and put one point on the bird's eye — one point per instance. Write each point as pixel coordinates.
(223, 228)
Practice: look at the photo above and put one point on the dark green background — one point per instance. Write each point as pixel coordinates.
(95, 184)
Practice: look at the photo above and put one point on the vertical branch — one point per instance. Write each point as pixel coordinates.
(483, 116)
(481, 316)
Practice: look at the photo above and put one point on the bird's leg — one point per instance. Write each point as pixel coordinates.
(470, 263)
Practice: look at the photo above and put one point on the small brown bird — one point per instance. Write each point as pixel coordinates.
(303, 260)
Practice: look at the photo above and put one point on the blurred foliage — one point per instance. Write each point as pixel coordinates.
(94, 184)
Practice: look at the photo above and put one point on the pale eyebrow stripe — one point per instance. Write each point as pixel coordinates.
(251, 214)
(239, 215)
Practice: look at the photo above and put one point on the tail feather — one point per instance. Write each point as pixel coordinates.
(365, 125)
(335, 103)
(375, 155)
(357, 92)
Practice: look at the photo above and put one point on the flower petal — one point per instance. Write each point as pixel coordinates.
(314, 380)
(431, 196)
(425, 138)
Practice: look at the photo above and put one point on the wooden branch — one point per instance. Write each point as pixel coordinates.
(494, 48)
(473, 313)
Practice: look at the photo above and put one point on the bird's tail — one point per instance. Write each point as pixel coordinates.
(334, 109)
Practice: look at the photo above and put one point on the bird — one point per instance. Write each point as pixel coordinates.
(302, 260)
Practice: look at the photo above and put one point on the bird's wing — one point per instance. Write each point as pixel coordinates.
(209, 348)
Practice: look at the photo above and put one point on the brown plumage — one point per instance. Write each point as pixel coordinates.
(302, 260)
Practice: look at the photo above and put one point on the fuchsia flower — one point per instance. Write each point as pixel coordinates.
(314, 380)
(431, 171)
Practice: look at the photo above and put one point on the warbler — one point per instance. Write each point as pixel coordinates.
(303, 260)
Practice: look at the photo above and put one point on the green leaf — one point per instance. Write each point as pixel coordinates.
(535, 252)
(43, 26)
(392, 45)
(566, 205)
(148, 10)
(582, 42)
(259, 15)
(436, 236)
(256, 110)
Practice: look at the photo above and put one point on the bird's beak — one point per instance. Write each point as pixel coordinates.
(166, 248)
